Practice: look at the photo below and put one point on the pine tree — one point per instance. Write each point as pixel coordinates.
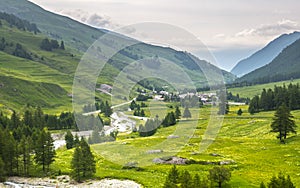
(254, 105)
(15, 121)
(132, 105)
(50, 150)
(187, 113)
(28, 119)
(69, 140)
(76, 141)
(44, 150)
(76, 164)
(240, 112)
(95, 138)
(108, 110)
(172, 178)
(9, 152)
(142, 113)
(62, 45)
(39, 120)
(88, 161)
(177, 112)
(283, 124)
(25, 150)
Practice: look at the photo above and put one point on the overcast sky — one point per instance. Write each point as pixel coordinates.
(231, 29)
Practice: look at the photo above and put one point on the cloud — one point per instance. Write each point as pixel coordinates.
(92, 19)
(283, 26)
(253, 37)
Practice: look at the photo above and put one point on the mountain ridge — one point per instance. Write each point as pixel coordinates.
(264, 55)
(286, 66)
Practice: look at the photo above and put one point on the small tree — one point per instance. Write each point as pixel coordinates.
(283, 123)
(142, 113)
(44, 150)
(219, 175)
(62, 45)
(83, 162)
(187, 113)
(177, 112)
(132, 105)
(88, 160)
(69, 138)
(240, 112)
(76, 164)
(172, 178)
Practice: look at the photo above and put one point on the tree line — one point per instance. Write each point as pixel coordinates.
(24, 147)
(272, 99)
(104, 107)
(170, 119)
(13, 20)
(36, 118)
(218, 176)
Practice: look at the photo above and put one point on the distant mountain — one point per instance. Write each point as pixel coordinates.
(285, 66)
(265, 55)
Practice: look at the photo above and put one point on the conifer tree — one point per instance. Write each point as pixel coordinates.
(44, 150)
(172, 178)
(177, 112)
(83, 162)
(283, 123)
(25, 150)
(187, 113)
(240, 112)
(76, 164)
(69, 140)
(88, 161)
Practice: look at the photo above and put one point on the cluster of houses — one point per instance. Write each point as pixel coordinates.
(205, 98)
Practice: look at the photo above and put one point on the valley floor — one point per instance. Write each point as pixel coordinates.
(255, 153)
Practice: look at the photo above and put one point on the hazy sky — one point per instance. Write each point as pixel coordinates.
(231, 29)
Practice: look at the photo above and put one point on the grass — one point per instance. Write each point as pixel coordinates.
(246, 139)
(251, 91)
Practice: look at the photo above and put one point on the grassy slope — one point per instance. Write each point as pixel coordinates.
(251, 91)
(41, 83)
(245, 139)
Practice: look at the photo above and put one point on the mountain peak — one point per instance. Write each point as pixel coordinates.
(265, 55)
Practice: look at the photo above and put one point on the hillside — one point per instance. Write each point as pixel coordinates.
(77, 35)
(265, 55)
(285, 66)
(58, 66)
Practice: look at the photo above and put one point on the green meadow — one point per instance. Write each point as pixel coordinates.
(245, 139)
